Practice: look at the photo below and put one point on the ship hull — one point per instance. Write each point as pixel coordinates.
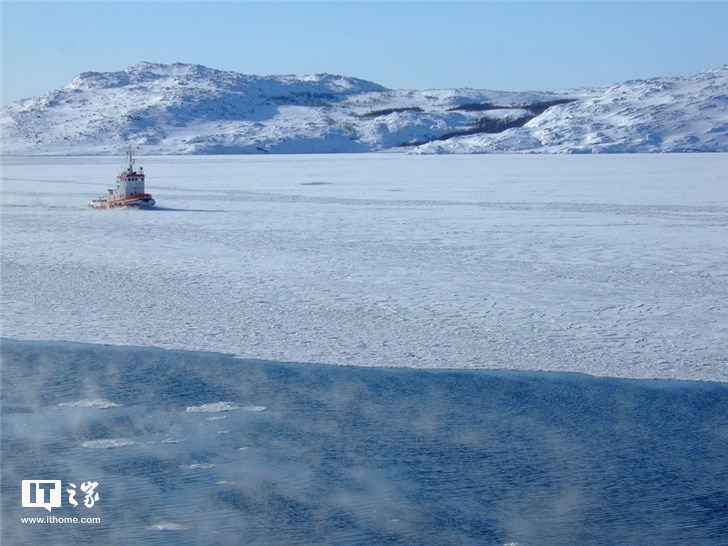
(140, 201)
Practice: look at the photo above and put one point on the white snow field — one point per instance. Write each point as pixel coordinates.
(611, 265)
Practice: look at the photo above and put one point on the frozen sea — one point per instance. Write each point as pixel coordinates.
(612, 265)
(370, 349)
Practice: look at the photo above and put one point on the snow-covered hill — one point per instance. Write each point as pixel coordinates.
(191, 109)
(656, 115)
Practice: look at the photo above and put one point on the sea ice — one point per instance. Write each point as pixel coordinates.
(611, 265)
(96, 403)
(110, 443)
(213, 408)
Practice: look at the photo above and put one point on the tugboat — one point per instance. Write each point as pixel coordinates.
(129, 191)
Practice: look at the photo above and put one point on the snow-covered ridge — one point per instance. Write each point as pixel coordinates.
(192, 109)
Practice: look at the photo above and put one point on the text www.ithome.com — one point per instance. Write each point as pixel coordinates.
(60, 521)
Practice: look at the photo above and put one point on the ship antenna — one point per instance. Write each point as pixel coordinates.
(130, 160)
(130, 157)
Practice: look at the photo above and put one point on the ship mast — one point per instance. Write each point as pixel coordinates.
(130, 158)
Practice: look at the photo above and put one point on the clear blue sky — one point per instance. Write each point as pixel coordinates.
(513, 46)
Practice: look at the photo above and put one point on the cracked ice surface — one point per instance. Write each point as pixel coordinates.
(609, 265)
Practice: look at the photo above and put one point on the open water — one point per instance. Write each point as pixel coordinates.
(202, 448)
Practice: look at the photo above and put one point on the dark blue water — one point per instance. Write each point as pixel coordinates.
(185, 454)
